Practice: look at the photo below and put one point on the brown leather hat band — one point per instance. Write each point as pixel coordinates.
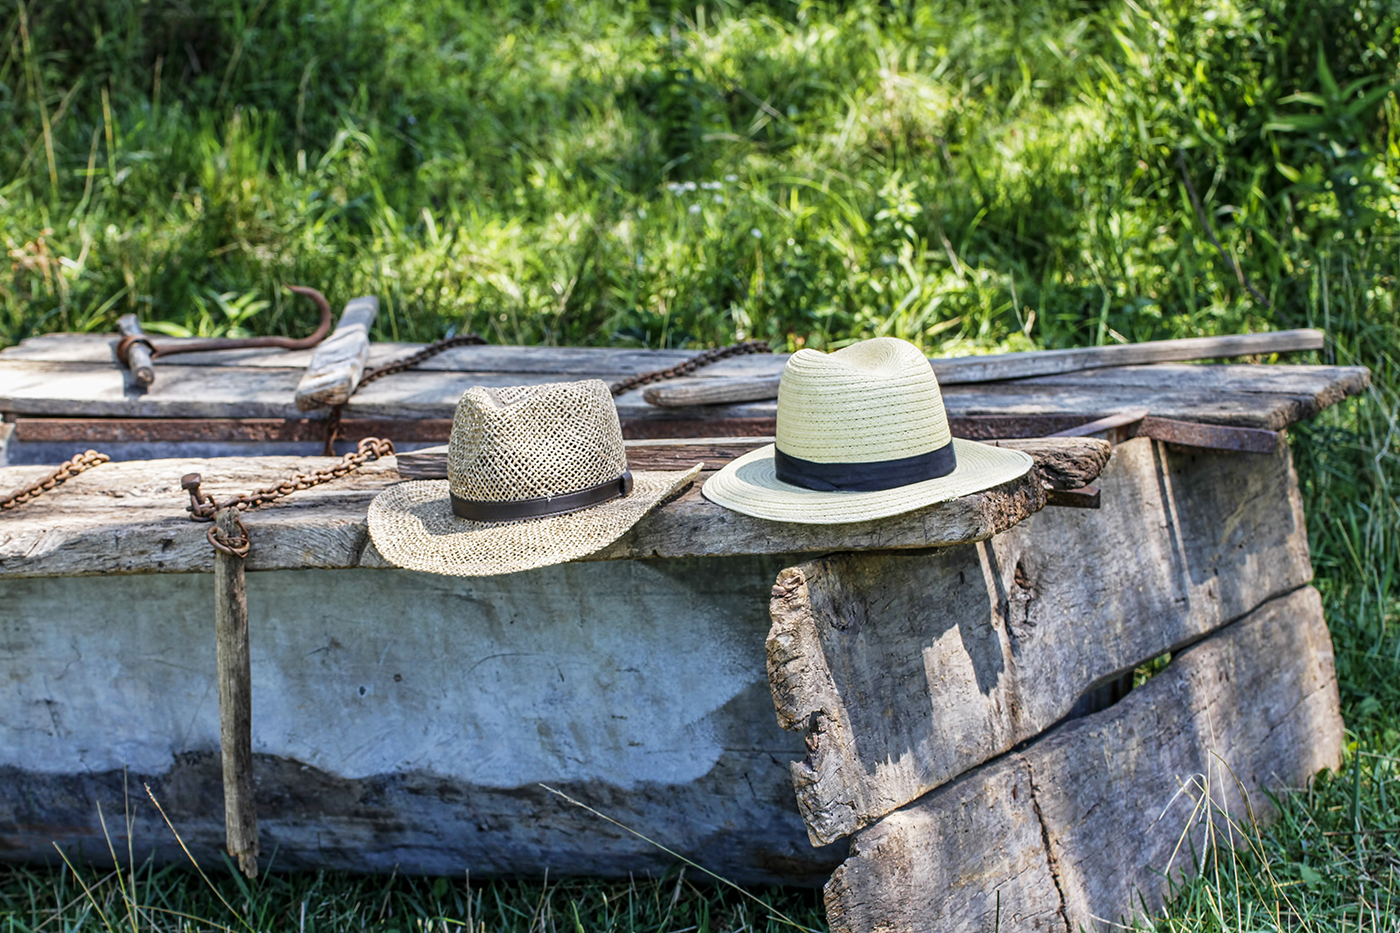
(515, 509)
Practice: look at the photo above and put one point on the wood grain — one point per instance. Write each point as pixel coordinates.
(1004, 366)
(1064, 463)
(235, 681)
(339, 361)
(1082, 827)
(906, 670)
(680, 393)
(129, 517)
(1269, 397)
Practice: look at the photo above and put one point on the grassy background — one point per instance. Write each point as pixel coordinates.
(972, 176)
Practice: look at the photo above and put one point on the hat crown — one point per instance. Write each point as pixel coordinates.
(534, 442)
(873, 401)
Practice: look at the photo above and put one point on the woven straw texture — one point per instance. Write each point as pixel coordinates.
(829, 409)
(529, 442)
(413, 527)
(869, 402)
(523, 442)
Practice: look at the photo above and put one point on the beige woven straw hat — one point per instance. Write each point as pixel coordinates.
(861, 435)
(537, 475)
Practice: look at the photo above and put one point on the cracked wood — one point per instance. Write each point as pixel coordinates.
(909, 669)
(1081, 829)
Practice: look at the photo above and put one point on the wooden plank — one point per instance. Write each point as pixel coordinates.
(1136, 423)
(339, 361)
(70, 389)
(1326, 384)
(1093, 822)
(1064, 463)
(684, 392)
(620, 361)
(1004, 366)
(1047, 362)
(129, 518)
(906, 670)
(637, 686)
(233, 663)
(1219, 437)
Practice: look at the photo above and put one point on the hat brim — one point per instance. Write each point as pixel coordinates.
(750, 485)
(413, 527)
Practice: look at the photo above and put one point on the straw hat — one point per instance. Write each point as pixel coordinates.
(537, 475)
(861, 435)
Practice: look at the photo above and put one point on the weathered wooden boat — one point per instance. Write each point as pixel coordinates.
(952, 686)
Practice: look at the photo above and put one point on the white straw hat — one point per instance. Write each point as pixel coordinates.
(861, 435)
(537, 475)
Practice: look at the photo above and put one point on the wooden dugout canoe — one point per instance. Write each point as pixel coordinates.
(408, 721)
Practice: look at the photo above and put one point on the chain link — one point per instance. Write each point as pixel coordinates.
(389, 369)
(66, 471)
(690, 365)
(204, 507)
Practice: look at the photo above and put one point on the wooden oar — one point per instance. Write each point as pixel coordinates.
(1002, 366)
(339, 361)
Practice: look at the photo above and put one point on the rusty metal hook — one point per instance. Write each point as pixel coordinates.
(137, 352)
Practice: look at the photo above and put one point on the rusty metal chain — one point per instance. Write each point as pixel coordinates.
(617, 388)
(389, 369)
(423, 355)
(203, 507)
(65, 471)
(690, 365)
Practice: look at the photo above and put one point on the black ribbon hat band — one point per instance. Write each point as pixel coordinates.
(515, 509)
(864, 477)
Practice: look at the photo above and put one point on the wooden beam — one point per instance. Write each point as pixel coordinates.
(1065, 463)
(1217, 436)
(140, 504)
(1052, 362)
(906, 670)
(1004, 366)
(339, 361)
(1268, 397)
(235, 681)
(1095, 821)
(682, 393)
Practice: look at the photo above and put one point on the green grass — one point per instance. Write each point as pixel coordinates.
(972, 176)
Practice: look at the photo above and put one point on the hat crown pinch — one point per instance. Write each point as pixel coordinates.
(873, 401)
(531, 442)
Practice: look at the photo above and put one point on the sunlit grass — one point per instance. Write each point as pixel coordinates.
(969, 176)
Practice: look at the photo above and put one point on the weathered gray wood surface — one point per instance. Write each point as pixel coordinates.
(130, 518)
(1003, 366)
(1064, 463)
(386, 740)
(1069, 833)
(903, 686)
(185, 391)
(76, 376)
(683, 392)
(233, 662)
(339, 361)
